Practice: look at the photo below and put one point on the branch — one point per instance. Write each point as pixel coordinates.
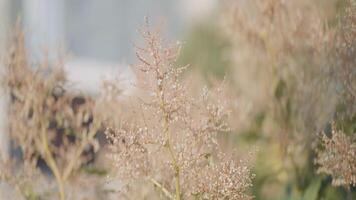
(162, 188)
(68, 170)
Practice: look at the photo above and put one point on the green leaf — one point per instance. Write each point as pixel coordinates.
(312, 191)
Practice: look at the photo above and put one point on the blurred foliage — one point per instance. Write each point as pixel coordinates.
(276, 178)
(205, 48)
(95, 171)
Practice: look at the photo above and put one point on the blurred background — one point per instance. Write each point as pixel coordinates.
(97, 34)
(98, 30)
(279, 111)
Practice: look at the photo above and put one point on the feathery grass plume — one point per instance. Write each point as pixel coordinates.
(53, 128)
(170, 141)
(337, 157)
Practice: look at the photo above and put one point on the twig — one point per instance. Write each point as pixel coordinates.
(162, 188)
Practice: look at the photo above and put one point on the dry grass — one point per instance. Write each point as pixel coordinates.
(170, 140)
(52, 127)
(337, 157)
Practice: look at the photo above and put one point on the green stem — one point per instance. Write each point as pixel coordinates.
(169, 146)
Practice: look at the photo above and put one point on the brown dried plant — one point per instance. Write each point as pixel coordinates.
(51, 126)
(337, 157)
(171, 141)
(281, 64)
(297, 64)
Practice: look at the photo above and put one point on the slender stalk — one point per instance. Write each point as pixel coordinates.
(52, 165)
(162, 188)
(154, 49)
(69, 168)
(169, 145)
(173, 157)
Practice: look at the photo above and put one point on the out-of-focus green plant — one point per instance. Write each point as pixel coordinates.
(205, 49)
